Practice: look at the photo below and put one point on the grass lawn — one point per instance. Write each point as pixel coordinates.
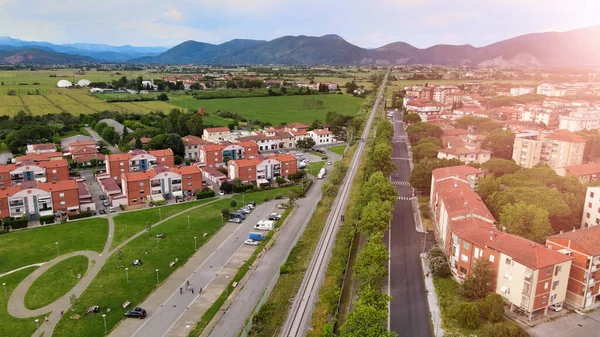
(259, 197)
(9, 325)
(38, 245)
(314, 167)
(339, 149)
(275, 109)
(130, 223)
(110, 287)
(55, 282)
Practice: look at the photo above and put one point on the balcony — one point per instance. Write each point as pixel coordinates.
(15, 203)
(176, 182)
(155, 183)
(596, 260)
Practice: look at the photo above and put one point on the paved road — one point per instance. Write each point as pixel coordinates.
(116, 125)
(166, 313)
(97, 138)
(409, 312)
(572, 325)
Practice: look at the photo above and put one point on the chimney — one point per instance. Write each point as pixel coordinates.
(561, 231)
(504, 228)
(491, 235)
(573, 229)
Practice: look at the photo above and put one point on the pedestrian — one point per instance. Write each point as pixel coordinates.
(192, 291)
(180, 290)
(200, 291)
(187, 283)
(62, 312)
(46, 319)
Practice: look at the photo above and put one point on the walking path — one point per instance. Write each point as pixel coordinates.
(96, 261)
(436, 316)
(25, 267)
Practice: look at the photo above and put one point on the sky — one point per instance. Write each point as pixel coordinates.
(366, 23)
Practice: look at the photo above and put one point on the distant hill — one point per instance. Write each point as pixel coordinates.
(39, 56)
(580, 47)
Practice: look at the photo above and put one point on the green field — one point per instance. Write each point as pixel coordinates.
(339, 149)
(9, 325)
(275, 110)
(55, 282)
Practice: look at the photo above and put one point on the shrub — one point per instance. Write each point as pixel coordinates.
(233, 203)
(284, 269)
(81, 215)
(47, 219)
(467, 315)
(278, 196)
(225, 212)
(205, 194)
(265, 199)
(279, 180)
(438, 265)
(491, 308)
(15, 223)
(244, 188)
(502, 329)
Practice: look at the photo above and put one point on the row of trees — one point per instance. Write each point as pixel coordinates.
(374, 207)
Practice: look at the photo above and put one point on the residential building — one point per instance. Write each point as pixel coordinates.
(321, 136)
(591, 208)
(34, 200)
(469, 153)
(243, 169)
(550, 90)
(192, 145)
(111, 190)
(41, 172)
(212, 175)
(518, 91)
(580, 120)
(41, 148)
(38, 157)
(262, 169)
(85, 154)
(137, 161)
(216, 134)
(528, 275)
(161, 183)
(585, 172)
(271, 139)
(506, 113)
(557, 149)
(583, 290)
(217, 155)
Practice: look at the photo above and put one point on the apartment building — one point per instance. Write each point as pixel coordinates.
(262, 169)
(557, 149)
(464, 146)
(591, 208)
(518, 91)
(271, 139)
(42, 172)
(583, 245)
(580, 120)
(192, 147)
(550, 90)
(216, 134)
(217, 155)
(585, 172)
(34, 200)
(137, 161)
(528, 275)
(321, 136)
(161, 183)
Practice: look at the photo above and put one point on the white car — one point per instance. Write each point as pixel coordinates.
(275, 216)
(221, 193)
(112, 209)
(251, 242)
(282, 206)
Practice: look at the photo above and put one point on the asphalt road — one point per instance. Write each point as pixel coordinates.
(409, 311)
(572, 325)
(160, 321)
(97, 138)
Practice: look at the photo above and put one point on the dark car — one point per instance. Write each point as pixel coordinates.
(102, 197)
(324, 158)
(253, 203)
(102, 211)
(136, 312)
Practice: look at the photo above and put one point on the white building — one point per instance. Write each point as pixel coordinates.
(321, 137)
(591, 208)
(520, 91)
(580, 120)
(550, 90)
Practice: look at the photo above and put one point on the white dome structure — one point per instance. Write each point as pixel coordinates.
(83, 83)
(64, 84)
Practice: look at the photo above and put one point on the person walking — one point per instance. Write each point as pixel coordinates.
(192, 291)
(200, 290)
(187, 283)
(180, 290)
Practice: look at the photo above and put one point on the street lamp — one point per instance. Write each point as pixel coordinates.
(157, 280)
(56, 243)
(127, 274)
(195, 244)
(5, 295)
(159, 215)
(37, 324)
(104, 318)
(188, 222)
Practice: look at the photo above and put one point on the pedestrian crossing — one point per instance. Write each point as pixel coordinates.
(400, 158)
(400, 183)
(404, 198)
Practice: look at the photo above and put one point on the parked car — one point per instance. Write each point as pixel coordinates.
(245, 210)
(274, 216)
(102, 197)
(112, 209)
(106, 203)
(253, 203)
(324, 158)
(136, 312)
(556, 307)
(282, 206)
(235, 220)
(251, 242)
(221, 192)
(102, 211)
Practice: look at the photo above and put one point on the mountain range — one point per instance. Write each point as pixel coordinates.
(580, 47)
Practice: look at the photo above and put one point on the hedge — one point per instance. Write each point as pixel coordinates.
(47, 219)
(205, 194)
(81, 215)
(15, 223)
(243, 188)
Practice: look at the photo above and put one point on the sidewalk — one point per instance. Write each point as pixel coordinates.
(432, 299)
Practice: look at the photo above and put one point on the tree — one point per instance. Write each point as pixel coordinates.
(366, 321)
(437, 262)
(500, 143)
(138, 143)
(432, 140)
(424, 150)
(410, 119)
(306, 143)
(381, 159)
(420, 176)
(168, 141)
(546, 198)
(528, 221)
(478, 284)
(125, 132)
(499, 167)
(371, 266)
(350, 87)
(375, 217)
(226, 187)
(225, 213)
(385, 130)
(492, 308)
(487, 186)
(467, 315)
(195, 125)
(421, 130)
(378, 187)
(502, 329)
(316, 124)
(162, 97)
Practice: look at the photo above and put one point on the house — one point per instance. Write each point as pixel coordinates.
(217, 155)
(161, 183)
(111, 190)
(85, 154)
(262, 169)
(39, 157)
(41, 172)
(321, 136)
(591, 208)
(557, 149)
(469, 153)
(528, 275)
(191, 145)
(34, 200)
(271, 139)
(583, 290)
(211, 174)
(137, 161)
(41, 148)
(580, 120)
(243, 169)
(216, 134)
(585, 172)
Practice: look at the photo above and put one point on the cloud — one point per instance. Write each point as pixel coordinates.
(173, 14)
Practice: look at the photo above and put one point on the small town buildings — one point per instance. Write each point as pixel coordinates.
(217, 155)
(212, 175)
(518, 91)
(34, 200)
(585, 172)
(137, 161)
(321, 136)
(547, 89)
(41, 148)
(191, 145)
(41, 172)
(271, 139)
(583, 245)
(465, 147)
(38, 157)
(262, 169)
(557, 149)
(216, 134)
(580, 120)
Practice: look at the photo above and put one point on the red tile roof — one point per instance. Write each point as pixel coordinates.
(39, 156)
(455, 132)
(246, 162)
(82, 143)
(63, 185)
(583, 169)
(138, 176)
(219, 129)
(53, 163)
(161, 153)
(213, 147)
(588, 239)
(214, 172)
(46, 146)
(119, 157)
(183, 170)
(321, 132)
(6, 192)
(566, 136)
(8, 168)
(285, 157)
(526, 252)
(247, 144)
(461, 171)
(460, 199)
(193, 140)
(84, 158)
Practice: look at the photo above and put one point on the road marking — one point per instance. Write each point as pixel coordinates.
(404, 198)
(400, 183)
(400, 158)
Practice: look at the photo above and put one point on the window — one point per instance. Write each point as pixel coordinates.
(544, 299)
(122, 170)
(62, 203)
(142, 191)
(115, 178)
(552, 298)
(62, 195)
(589, 205)
(546, 285)
(587, 215)
(591, 194)
(189, 184)
(549, 271)
(508, 261)
(478, 252)
(141, 184)
(122, 163)
(554, 285)
(162, 159)
(597, 221)
(492, 258)
(463, 270)
(464, 258)
(557, 270)
(189, 177)
(466, 245)
(54, 171)
(133, 201)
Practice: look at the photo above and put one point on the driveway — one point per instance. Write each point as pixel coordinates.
(79, 138)
(97, 138)
(572, 325)
(116, 125)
